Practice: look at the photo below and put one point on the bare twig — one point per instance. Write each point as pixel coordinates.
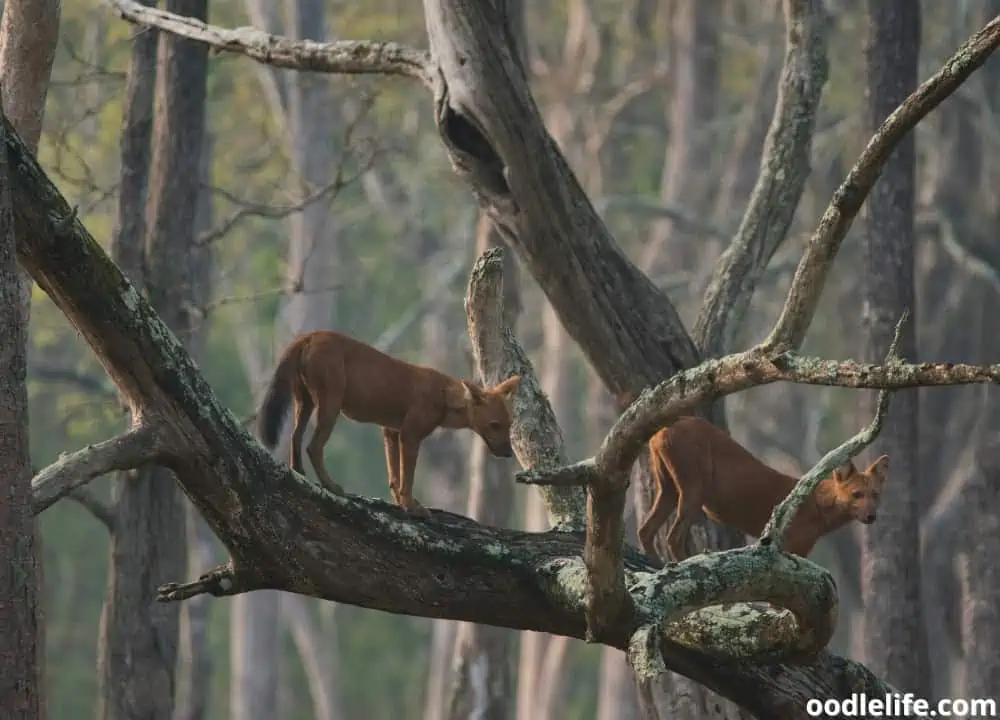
(132, 449)
(223, 581)
(352, 57)
(785, 511)
(810, 277)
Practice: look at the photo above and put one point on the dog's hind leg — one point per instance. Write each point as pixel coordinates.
(303, 409)
(330, 390)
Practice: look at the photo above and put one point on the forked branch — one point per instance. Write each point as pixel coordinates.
(132, 449)
(785, 511)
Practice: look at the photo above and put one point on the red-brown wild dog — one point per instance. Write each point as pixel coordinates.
(336, 374)
(699, 468)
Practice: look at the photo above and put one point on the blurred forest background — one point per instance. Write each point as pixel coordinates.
(329, 202)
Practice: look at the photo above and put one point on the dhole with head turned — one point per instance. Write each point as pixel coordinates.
(334, 374)
(699, 468)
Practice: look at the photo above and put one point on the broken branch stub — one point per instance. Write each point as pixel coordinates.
(127, 451)
(535, 433)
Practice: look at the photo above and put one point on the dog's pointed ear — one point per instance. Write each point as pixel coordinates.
(844, 471)
(508, 387)
(880, 468)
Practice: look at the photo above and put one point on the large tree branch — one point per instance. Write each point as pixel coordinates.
(132, 449)
(810, 277)
(784, 169)
(353, 57)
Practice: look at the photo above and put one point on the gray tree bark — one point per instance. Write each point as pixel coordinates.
(982, 542)
(20, 654)
(894, 629)
(138, 648)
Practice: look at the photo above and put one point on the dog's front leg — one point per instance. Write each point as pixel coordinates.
(409, 448)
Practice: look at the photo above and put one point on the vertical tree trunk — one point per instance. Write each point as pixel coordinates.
(481, 681)
(255, 625)
(29, 32)
(148, 544)
(20, 666)
(694, 41)
(195, 667)
(895, 635)
(982, 543)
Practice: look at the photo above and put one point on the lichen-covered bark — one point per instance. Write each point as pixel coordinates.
(148, 542)
(20, 653)
(895, 633)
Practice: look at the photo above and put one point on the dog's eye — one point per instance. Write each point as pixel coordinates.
(857, 494)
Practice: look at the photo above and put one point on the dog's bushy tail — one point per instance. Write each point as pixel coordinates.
(278, 397)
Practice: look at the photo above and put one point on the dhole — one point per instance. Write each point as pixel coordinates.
(336, 374)
(698, 464)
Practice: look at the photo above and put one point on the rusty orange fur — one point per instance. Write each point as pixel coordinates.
(698, 468)
(338, 375)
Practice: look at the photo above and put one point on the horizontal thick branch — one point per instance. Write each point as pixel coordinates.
(130, 450)
(351, 57)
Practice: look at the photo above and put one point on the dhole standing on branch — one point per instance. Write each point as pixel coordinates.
(699, 468)
(334, 374)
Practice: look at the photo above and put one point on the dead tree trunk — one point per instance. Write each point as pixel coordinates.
(895, 633)
(149, 532)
